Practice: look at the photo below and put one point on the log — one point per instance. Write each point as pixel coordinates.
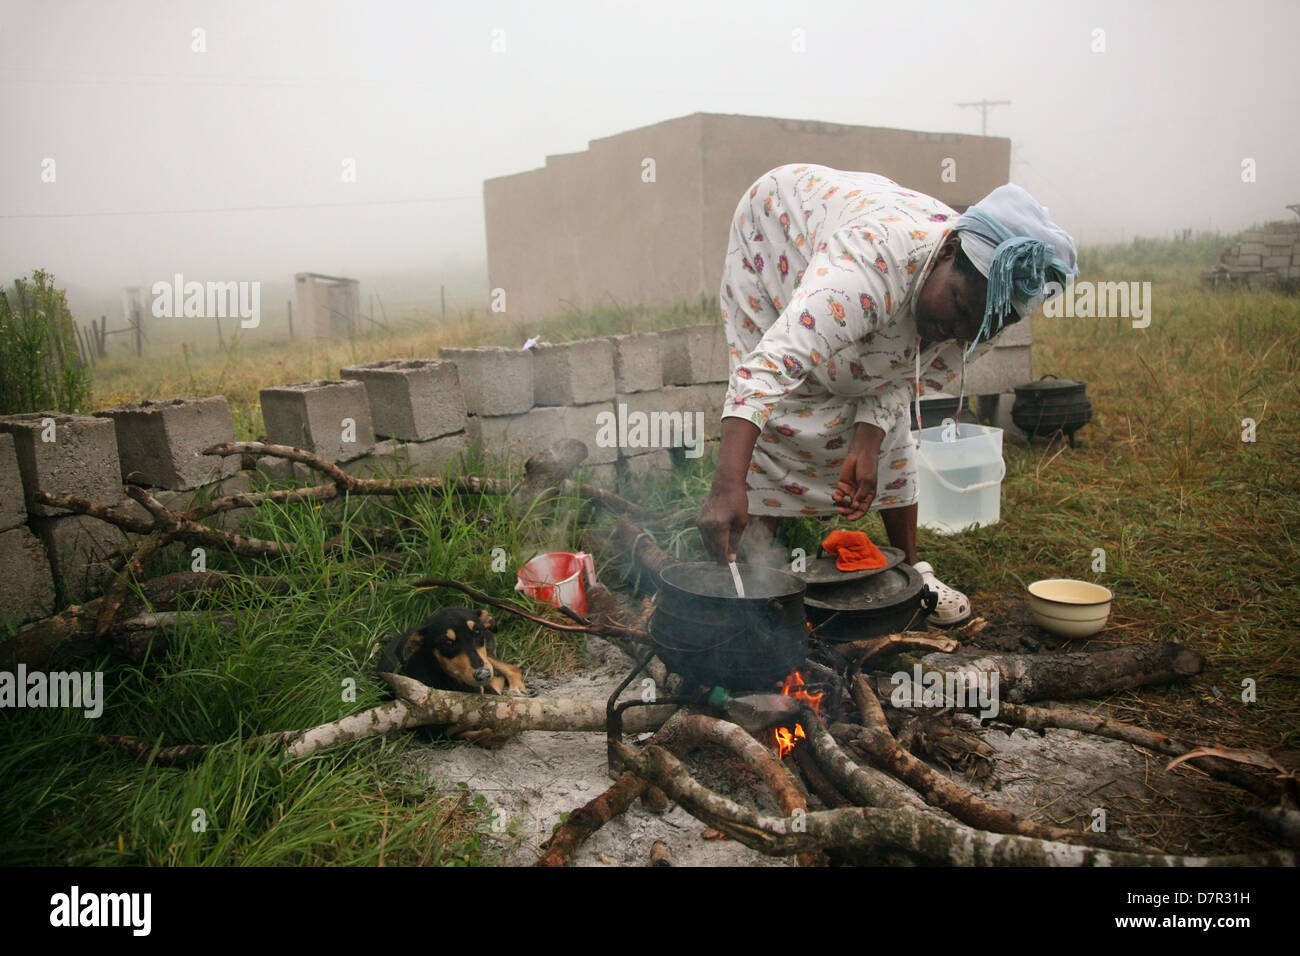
(594, 814)
(939, 791)
(1026, 677)
(631, 540)
(864, 786)
(548, 472)
(923, 838)
(659, 854)
(691, 732)
(418, 706)
(589, 818)
(817, 781)
(511, 715)
(683, 734)
(1039, 718)
(864, 650)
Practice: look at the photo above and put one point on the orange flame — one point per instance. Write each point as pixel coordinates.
(794, 686)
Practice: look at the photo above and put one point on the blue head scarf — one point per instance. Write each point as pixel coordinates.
(1012, 241)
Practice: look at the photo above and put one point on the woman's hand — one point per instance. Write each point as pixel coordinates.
(857, 485)
(725, 512)
(723, 518)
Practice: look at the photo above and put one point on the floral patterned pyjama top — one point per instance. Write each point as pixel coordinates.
(818, 295)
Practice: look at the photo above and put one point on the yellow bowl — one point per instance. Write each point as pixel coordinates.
(1070, 608)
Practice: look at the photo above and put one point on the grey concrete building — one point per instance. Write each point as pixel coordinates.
(588, 227)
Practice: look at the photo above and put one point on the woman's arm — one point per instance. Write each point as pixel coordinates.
(725, 512)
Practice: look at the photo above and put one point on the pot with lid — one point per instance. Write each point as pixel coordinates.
(886, 603)
(701, 630)
(1052, 405)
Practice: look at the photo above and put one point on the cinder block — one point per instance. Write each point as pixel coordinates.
(240, 481)
(695, 354)
(638, 362)
(81, 459)
(26, 584)
(999, 370)
(495, 381)
(656, 462)
(435, 457)
(1274, 262)
(654, 421)
(573, 373)
(412, 399)
(270, 468)
(81, 550)
(311, 416)
(1021, 333)
(160, 444)
(12, 510)
(514, 438)
(391, 457)
(381, 462)
(709, 399)
(1252, 249)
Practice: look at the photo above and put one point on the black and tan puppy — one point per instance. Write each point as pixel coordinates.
(454, 649)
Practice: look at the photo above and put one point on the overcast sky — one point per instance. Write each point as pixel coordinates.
(160, 151)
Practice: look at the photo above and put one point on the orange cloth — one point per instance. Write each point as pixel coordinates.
(854, 551)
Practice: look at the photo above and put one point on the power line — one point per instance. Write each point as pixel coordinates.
(983, 106)
(187, 212)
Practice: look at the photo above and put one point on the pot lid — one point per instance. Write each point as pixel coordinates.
(822, 570)
(1049, 383)
(707, 579)
(883, 590)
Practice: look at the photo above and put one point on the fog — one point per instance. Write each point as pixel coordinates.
(231, 161)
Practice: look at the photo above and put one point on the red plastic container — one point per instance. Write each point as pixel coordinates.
(557, 579)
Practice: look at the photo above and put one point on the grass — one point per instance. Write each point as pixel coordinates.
(287, 663)
(253, 359)
(1199, 530)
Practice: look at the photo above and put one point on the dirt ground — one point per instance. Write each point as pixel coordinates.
(1059, 777)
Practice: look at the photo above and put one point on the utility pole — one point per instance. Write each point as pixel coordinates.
(983, 106)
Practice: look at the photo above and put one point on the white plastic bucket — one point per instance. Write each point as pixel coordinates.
(959, 481)
(556, 578)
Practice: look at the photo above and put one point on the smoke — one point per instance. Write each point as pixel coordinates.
(758, 546)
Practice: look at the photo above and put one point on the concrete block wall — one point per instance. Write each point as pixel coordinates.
(1271, 253)
(626, 397)
(632, 399)
(50, 554)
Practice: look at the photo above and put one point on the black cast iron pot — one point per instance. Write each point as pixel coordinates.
(704, 632)
(1052, 405)
(886, 603)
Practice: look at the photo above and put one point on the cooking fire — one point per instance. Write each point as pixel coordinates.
(795, 686)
